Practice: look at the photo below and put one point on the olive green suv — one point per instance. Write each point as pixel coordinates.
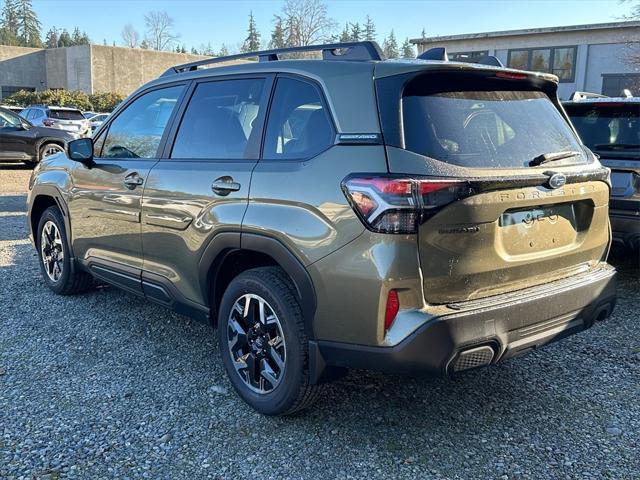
(419, 216)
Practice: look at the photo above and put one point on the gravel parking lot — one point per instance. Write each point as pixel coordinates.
(106, 385)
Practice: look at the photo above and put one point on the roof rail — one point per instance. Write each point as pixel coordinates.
(584, 95)
(440, 53)
(351, 51)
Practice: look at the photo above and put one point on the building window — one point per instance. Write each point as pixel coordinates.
(6, 91)
(467, 56)
(560, 61)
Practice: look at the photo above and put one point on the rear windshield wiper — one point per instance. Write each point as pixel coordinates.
(615, 146)
(550, 157)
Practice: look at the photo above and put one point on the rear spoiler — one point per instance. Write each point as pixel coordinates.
(584, 95)
(440, 53)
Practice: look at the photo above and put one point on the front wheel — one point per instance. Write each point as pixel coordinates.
(263, 344)
(55, 258)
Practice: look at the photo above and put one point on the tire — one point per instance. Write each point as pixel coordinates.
(49, 148)
(282, 331)
(55, 258)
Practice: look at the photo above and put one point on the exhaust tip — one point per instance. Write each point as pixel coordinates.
(473, 358)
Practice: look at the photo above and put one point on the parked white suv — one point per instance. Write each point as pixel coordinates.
(68, 119)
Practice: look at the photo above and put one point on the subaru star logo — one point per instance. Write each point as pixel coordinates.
(557, 180)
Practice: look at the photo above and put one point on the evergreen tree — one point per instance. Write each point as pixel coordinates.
(292, 33)
(28, 24)
(345, 36)
(51, 40)
(76, 37)
(369, 30)
(390, 46)
(9, 23)
(252, 42)
(144, 45)
(424, 33)
(277, 35)
(224, 51)
(194, 51)
(64, 40)
(356, 32)
(407, 49)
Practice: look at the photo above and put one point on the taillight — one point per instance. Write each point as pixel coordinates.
(388, 204)
(393, 306)
(48, 123)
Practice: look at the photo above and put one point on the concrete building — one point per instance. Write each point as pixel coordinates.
(594, 58)
(89, 68)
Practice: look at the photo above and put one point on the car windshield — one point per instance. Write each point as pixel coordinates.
(606, 126)
(9, 119)
(66, 114)
(486, 129)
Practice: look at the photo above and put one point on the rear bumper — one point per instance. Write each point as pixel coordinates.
(486, 331)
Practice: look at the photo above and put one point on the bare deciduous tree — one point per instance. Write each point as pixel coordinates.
(159, 30)
(307, 22)
(130, 36)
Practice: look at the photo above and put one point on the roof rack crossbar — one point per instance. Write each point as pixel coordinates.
(353, 51)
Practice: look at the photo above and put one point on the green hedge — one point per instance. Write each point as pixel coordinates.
(98, 102)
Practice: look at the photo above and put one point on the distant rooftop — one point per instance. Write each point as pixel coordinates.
(528, 31)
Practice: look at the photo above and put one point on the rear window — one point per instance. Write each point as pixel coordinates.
(607, 126)
(485, 129)
(66, 114)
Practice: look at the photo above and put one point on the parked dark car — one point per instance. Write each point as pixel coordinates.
(611, 128)
(21, 141)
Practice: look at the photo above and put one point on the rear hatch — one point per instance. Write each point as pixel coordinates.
(612, 130)
(510, 197)
(69, 120)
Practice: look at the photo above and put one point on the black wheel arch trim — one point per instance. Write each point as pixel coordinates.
(54, 193)
(225, 243)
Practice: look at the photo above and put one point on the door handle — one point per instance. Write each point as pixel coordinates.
(132, 180)
(224, 185)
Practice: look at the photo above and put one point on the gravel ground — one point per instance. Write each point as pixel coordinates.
(106, 385)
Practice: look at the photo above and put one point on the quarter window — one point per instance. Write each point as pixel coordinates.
(136, 132)
(298, 125)
(219, 120)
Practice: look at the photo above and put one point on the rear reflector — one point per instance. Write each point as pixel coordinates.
(393, 305)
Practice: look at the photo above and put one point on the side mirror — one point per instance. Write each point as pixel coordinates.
(80, 150)
(24, 125)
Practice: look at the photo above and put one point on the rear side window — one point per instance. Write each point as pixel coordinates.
(219, 120)
(607, 127)
(136, 132)
(298, 125)
(485, 129)
(66, 114)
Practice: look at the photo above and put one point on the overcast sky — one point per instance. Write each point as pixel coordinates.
(225, 21)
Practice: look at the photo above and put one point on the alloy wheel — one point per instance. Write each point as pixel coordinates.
(256, 343)
(51, 250)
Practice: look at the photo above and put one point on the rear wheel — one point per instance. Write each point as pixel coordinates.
(55, 259)
(263, 344)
